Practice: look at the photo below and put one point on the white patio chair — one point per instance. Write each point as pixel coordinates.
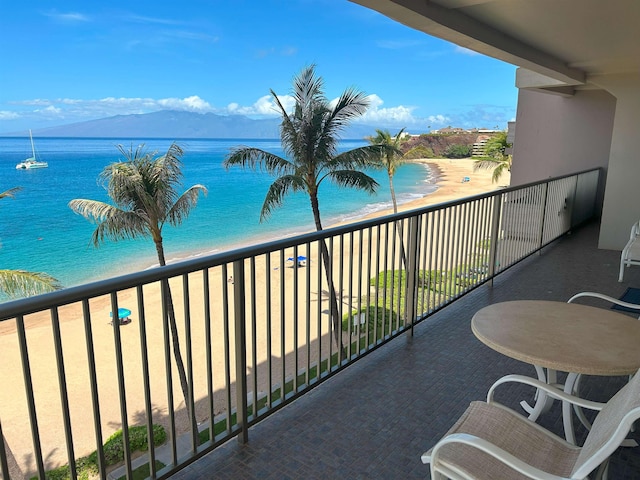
(492, 441)
(631, 252)
(615, 301)
(606, 298)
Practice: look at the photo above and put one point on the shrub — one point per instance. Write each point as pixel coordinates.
(458, 151)
(114, 446)
(87, 467)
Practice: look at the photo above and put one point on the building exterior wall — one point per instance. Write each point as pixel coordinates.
(557, 135)
(622, 195)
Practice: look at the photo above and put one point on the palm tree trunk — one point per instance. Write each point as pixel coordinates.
(403, 255)
(333, 299)
(173, 326)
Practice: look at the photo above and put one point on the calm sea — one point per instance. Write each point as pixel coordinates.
(38, 231)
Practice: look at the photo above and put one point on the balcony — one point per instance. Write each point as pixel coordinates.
(365, 409)
(375, 419)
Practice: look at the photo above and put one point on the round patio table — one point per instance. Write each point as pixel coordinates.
(558, 336)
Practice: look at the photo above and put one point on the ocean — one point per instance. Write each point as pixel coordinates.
(38, 231)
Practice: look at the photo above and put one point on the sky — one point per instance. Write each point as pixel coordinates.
(69, 61)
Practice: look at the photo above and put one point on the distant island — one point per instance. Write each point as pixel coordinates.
(178, 124)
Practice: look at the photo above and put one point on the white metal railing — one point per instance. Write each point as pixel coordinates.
(255, 327)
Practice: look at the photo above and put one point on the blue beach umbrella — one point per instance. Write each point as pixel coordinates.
(122, 313)
(301, 258)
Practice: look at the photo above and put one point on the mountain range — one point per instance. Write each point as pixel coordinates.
(180, 124)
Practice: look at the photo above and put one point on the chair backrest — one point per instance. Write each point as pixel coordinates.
(611, 426)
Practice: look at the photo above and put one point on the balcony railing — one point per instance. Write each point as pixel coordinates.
(254, 328)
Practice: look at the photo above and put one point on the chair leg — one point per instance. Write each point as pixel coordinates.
(436, 475)
(621, 271)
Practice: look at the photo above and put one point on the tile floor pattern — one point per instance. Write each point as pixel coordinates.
(375, 419)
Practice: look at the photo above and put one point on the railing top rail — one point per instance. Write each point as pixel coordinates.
(69, 295)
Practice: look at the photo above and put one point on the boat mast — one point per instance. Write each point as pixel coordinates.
(33, 149)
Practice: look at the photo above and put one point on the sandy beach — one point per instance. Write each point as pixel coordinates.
(448, 175)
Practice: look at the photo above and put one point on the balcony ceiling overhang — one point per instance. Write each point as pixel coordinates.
(569, 41)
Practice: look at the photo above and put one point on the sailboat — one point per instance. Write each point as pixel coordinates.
(31, 162)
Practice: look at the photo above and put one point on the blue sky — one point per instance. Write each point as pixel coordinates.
(69, 61)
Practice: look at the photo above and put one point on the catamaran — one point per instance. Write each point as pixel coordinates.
(31, 162)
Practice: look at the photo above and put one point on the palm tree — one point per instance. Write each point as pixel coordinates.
(144, 190)
(496, 156)
(390, 158)
(309, 136)
(21, 283)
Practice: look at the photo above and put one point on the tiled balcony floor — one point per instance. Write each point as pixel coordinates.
(374, 420)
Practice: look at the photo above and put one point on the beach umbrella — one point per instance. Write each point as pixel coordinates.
(299, 261)
(122, 313)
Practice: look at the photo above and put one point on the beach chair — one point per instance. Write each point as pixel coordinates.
(631, 252)
(492, 441)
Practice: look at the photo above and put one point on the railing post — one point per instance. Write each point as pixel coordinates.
(544, 216)
(240, 349)
(412, 272)
(495, 234)
(4, 464)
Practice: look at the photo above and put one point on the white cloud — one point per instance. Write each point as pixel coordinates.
(438, 119)
(51, 110)
(393, 115)
(264, 106)
(69, 17)
(6, 115)
(193, 103)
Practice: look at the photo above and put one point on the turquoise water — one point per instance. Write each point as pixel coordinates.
(38, 231)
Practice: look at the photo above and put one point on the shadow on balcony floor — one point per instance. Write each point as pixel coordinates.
(374, 420)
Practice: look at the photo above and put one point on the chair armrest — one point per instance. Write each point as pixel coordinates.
(550, 390)
(492, 450)
(607, 298)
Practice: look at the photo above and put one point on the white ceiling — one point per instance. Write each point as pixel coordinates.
(568, 40)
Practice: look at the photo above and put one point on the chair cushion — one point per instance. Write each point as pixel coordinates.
(631, 295)
(513, 433)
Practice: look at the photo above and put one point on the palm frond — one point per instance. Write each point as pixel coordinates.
(93, 210)
(256, 158)
(499, 165)
(112, 222)
(307, 87)
(187, 201)
(21, 283)
(360, 157)
(10, 193)
(485, 163)
(122, 181)
(350, 105)
(497, 172)
(278, 190)
(123, 226)
(288, 131)
(353, 179)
